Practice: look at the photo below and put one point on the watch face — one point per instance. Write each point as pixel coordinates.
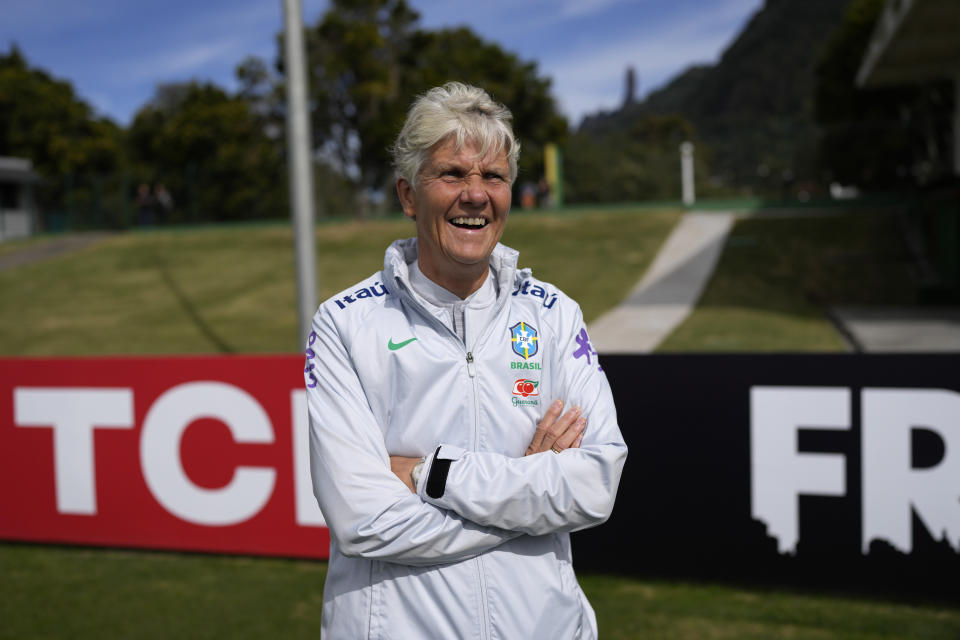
(416, 472)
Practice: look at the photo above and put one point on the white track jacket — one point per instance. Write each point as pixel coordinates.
(482, 549)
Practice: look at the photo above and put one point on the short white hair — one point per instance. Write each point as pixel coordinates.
(460, 111)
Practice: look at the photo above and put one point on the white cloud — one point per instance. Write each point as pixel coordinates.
(587, 63)
(186, 60)
(499, 15)
(579, 8)
(56, 16)
(208, 46)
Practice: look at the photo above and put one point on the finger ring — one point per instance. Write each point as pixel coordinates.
(555, 450)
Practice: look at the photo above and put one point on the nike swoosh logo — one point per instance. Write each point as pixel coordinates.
(393, 346)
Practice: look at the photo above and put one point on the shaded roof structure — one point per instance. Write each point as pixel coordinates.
(17, 170)
(914, 41)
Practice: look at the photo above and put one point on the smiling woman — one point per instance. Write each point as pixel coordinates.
(428, 448)
(456, 158)
(460, 205)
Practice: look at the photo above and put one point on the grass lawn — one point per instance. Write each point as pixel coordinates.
(56, 592)
(596, 257)
(231, 289)
(777, 276)
(628, 608)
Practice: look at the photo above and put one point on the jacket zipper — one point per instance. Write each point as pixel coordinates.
(472, 372)
(471, 369)
(484, 611)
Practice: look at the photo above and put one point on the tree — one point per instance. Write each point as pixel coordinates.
(459, 54)
(355, 55)
(368, 60)
(641, 162)
(41, 119)
(754, 107)
(211, 151)
(263, 91)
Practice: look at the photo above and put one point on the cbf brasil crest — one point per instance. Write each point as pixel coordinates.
(523, 339)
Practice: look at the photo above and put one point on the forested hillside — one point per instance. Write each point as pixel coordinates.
(754, 109)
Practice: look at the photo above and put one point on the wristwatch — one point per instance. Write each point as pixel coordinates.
(416, 472)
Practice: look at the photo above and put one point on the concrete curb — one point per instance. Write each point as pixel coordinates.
(902, 329)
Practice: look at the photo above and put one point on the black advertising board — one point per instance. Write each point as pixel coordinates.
(821, 470)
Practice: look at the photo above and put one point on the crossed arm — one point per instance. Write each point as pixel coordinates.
(489, 498)
(555, 432)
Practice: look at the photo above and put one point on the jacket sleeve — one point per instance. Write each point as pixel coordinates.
(544, 492)
(370, 512)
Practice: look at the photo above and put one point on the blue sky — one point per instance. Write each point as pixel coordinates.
(115, 52)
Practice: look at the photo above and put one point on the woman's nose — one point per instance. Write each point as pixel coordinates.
(473, 191)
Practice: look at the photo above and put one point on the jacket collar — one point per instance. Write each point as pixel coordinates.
(503, 261)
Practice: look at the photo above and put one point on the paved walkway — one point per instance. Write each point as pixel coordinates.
(56, 246)
(669, 290)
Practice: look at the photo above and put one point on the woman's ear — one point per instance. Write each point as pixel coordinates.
(408, 198)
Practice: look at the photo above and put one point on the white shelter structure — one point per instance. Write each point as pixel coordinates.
(17, 211)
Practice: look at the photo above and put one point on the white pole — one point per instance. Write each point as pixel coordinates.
(956, 126)
(686, 173)
(299, 167)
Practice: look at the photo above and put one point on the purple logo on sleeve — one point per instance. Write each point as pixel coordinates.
(585, 348)
(311, 354)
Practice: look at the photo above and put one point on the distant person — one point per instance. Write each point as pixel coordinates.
(528, 195)
(544, 195)
(145, 205)
(164, 200)
(460, 424)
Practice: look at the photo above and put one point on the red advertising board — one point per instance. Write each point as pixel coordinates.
(183, 453)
